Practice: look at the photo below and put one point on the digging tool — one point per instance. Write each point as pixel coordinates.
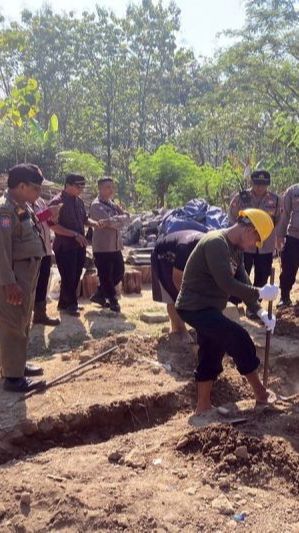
(268, 336)
(69, 373)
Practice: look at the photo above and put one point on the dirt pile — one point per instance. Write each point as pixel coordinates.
(288, 321)
(253, 460)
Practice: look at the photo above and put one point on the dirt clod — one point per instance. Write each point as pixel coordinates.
(25, 499)
(241, 452)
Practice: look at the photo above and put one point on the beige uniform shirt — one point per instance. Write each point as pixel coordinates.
(289, 222)
(19, 237)
(108, 239)
(270, 202)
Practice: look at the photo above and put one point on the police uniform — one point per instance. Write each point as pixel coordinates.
(260, 258)
(69, 254)
(22, 249)
(289, 228)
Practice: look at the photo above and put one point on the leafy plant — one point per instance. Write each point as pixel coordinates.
(73, 161)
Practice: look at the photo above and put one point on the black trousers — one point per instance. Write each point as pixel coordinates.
(289, 265)
(70, 264)
(43, 279)
(262, 267)
(218, 335)
(111, 269)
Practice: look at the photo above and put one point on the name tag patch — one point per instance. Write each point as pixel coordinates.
(5, 222)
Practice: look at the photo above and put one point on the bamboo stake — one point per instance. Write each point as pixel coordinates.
(268, 336)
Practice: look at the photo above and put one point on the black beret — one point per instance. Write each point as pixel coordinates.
(74, 179)
(24, 173)
(260, 177)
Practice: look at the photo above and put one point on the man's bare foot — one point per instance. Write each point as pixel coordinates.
(267, 398)
(203, 409)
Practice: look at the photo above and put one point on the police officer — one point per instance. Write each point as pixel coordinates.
(70, 243)
(22, 249)
(288, 235)
(258, 196)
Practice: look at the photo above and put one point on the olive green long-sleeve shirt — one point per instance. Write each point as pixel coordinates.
(208, 279)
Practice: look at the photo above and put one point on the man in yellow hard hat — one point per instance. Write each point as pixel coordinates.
(208, 282)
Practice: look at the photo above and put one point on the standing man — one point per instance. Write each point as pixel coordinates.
(21, 251)
(69, 243)
(258, 197)
(107, 244)
(288, 239)
(40, 306)
(168, 261)
(208, 281)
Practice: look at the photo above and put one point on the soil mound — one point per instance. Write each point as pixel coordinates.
(288, 321)
(253, 459)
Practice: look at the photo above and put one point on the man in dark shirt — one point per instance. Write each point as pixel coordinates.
(69, 243)
(208, 281)
(168, 261)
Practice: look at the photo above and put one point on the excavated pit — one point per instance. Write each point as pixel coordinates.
(136, 359)
(111, 449)
(95, 424)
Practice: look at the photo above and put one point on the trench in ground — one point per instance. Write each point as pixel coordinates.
(95, 424)
(100, 423)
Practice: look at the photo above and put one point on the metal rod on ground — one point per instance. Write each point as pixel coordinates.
(268, 336)
(70, 372)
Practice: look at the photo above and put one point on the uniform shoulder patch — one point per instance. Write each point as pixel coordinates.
(5, 221)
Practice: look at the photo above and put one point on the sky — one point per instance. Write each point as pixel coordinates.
(201, 20)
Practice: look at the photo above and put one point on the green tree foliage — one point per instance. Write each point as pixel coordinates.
(89, 166)
(118, 85)
(168, 177)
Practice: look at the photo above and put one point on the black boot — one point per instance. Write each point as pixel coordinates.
(40, 315)
(99, 298)
(285, 300)
(32, 370)
(23, 384)
(114, 305)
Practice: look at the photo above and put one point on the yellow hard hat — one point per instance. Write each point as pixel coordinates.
(261, 221)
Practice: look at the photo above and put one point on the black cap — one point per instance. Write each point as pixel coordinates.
(105, 179)
(260, 177)
(24, 173)
(74, 179)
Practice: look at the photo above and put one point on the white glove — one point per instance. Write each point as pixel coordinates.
(269, 292)
(269, 322)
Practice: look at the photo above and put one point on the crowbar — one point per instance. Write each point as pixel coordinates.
(69, 373)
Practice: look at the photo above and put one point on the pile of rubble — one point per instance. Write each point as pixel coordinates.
(143, 229)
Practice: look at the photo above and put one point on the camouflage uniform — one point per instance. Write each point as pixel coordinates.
(22, 249)
(289, 228)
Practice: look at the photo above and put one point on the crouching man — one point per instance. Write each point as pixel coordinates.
(207, 283)
(168, 261)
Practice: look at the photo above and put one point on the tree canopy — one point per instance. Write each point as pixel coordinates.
(163, 121)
